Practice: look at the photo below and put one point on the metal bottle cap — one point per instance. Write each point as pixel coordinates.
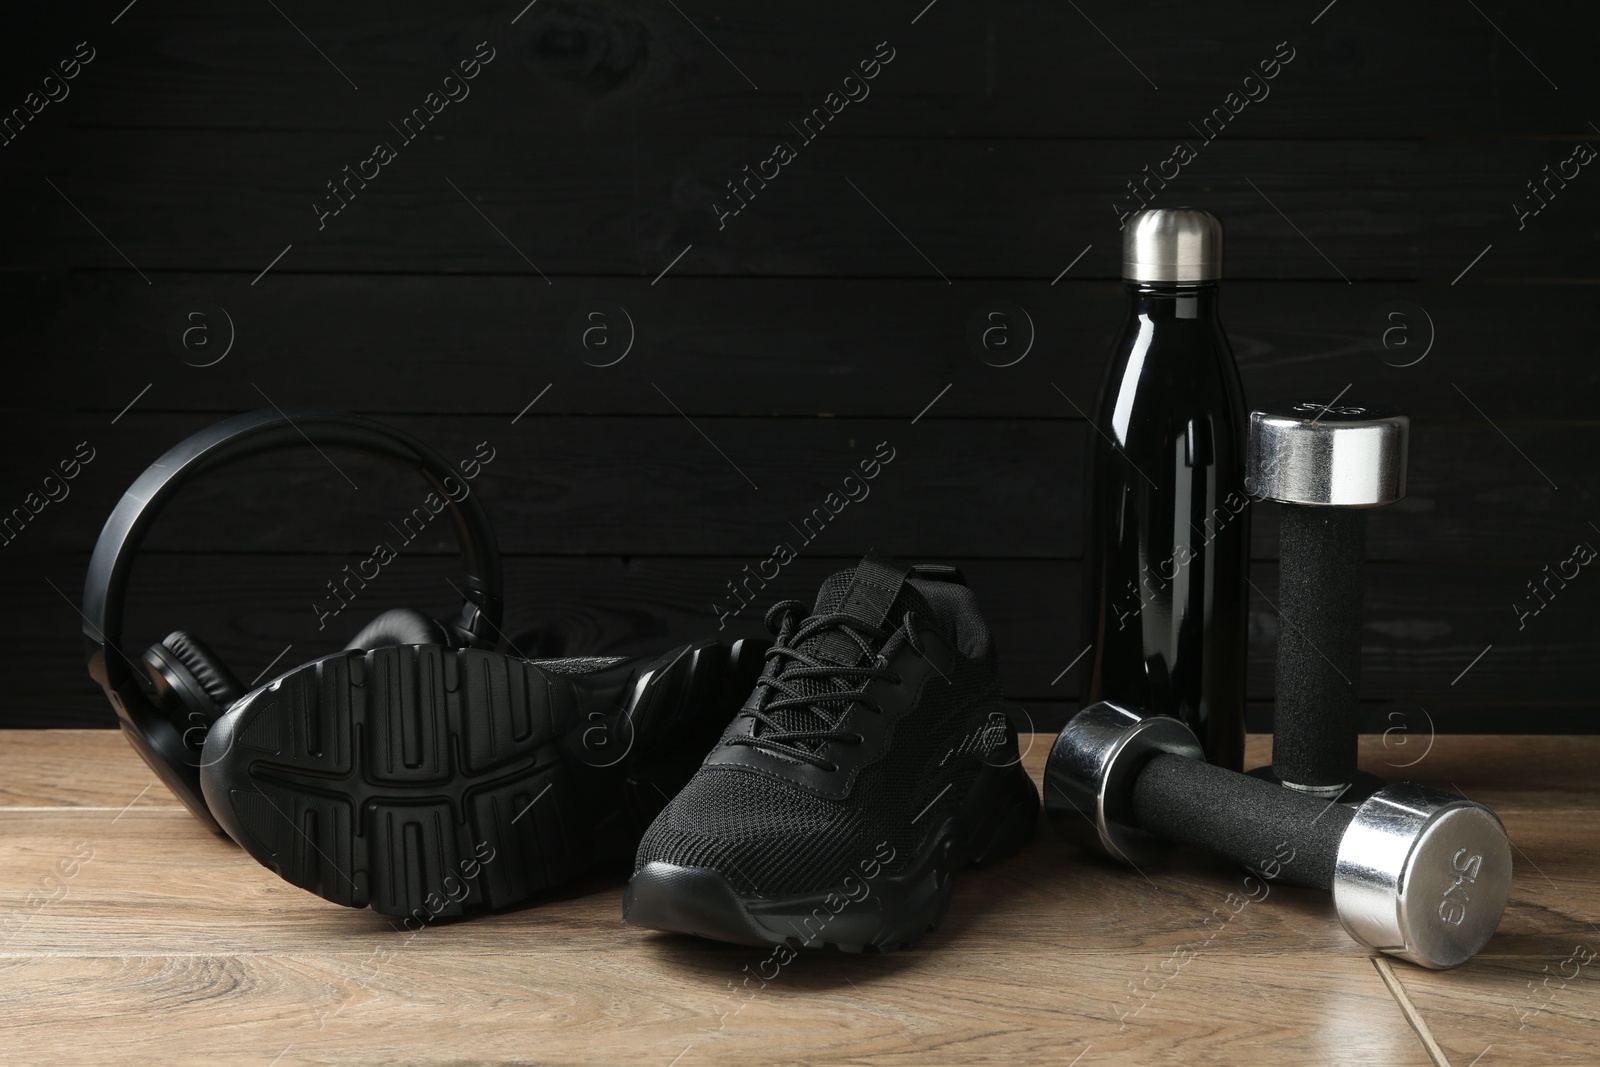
(1172, 244)
(1342, 455)
(1423, 875)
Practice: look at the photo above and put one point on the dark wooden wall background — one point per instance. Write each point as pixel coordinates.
(1379, 174)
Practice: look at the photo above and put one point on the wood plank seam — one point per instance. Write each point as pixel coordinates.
(1413, 1016)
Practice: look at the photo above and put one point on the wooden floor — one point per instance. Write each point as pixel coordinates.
(131, 935)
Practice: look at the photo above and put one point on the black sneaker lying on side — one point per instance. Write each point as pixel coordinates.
(873, 759)
(429, 781)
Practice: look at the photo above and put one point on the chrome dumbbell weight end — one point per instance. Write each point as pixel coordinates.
(1415, 873)
(1089, 775)
(1422, 875)
(1328, 456)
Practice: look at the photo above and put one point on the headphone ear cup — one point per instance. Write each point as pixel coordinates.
(207, 668)
(190, 683)
(402, 626)
(190, 689)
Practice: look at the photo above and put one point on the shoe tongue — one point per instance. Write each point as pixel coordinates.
(876, 593)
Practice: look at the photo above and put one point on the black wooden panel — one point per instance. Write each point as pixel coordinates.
(1393, 151)
(226, 200)
(768, 346)
(999, 488)
(1425, 623)
(1023, 68)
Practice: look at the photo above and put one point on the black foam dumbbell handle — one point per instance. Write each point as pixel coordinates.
(1315, 714)
(1250, 821)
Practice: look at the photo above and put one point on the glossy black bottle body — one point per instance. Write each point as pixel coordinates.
(1167, 545)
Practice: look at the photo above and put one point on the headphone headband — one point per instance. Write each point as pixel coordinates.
(239, 438)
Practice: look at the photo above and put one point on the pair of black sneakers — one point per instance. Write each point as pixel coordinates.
(818, 790)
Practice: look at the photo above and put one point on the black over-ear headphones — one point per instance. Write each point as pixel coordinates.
(168, 698)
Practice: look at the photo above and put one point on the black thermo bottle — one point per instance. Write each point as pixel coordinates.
(1168, 521)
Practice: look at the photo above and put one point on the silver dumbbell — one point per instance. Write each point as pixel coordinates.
(1414, 872)
(1326, 466)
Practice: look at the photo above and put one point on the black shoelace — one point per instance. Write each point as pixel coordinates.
(796, 665)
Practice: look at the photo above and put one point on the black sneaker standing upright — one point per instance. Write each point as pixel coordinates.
(428, 781)
(872, 760)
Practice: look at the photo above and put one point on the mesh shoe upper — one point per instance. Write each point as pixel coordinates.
(772, 835)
